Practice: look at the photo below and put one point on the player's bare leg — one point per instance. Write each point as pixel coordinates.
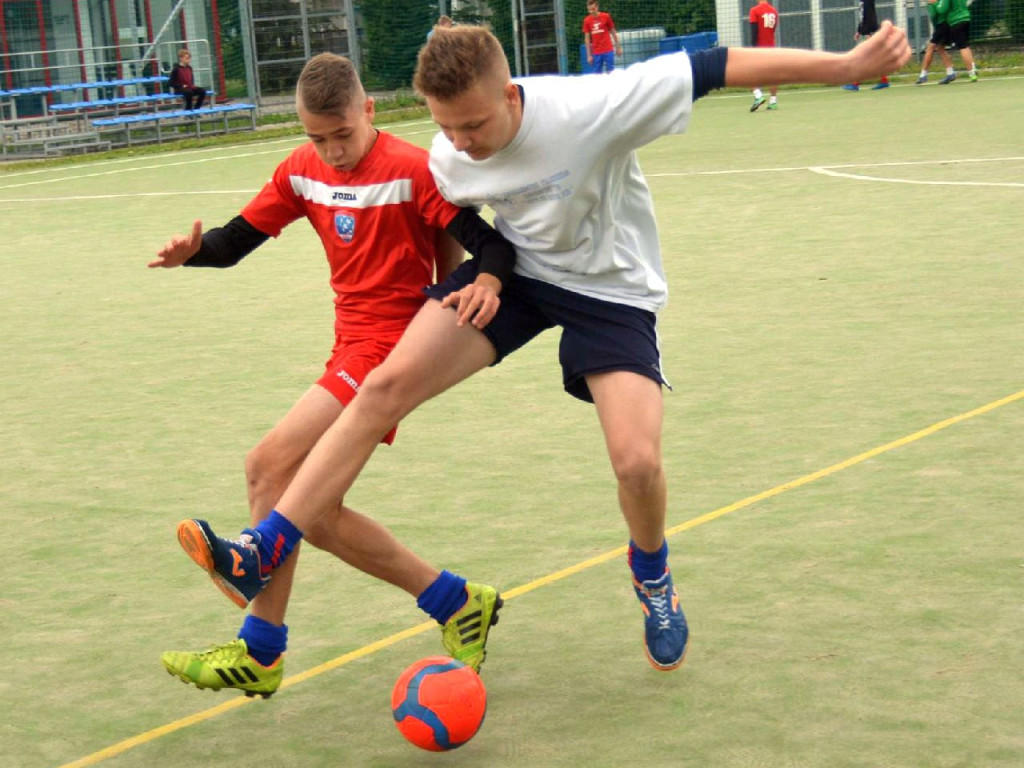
(631, 410)
(433, 355)
(252, 663)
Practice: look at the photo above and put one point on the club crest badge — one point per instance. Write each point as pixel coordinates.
(345, 225)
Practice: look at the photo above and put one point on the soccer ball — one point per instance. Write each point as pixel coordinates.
(438, 703)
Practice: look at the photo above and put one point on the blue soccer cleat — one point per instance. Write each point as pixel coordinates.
(234, 566)
(665, 631)
(948, 79)
(850, 87)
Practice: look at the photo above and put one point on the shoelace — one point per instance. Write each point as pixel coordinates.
(221, 652)
(659, 601)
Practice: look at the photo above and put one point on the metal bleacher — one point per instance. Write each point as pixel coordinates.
(97, 120)
(153, 124)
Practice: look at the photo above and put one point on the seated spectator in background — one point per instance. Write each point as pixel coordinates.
(183, 81)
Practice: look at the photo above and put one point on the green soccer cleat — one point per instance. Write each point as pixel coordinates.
(464, 636)
(972, 77)
(757, 104)
(225, 666)
(773, 106)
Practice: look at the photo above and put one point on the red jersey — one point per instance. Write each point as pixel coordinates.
(379, 225)
(766, 18)
(600, 30)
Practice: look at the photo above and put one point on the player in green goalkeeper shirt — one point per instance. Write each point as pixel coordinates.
(958, 16)
(938, 42)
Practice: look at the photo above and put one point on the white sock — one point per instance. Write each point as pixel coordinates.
(950, 70)
(757, 93)
(771, 100)
(924, 73)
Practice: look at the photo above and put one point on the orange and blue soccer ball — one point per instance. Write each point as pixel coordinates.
(439, 703)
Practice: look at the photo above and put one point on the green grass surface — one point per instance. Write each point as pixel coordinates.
(867, 617)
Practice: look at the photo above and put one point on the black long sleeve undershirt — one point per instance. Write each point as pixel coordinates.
(226, 246)
(496, 255)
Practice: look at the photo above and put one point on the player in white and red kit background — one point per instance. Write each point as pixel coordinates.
(764, 20)
(600, 39)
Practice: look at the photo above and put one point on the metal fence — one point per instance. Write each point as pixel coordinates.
(254, 49)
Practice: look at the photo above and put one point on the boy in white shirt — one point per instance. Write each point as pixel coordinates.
(555, 158)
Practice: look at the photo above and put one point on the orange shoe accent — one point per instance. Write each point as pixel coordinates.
(229, 591)
(236, 560)
(192, 540)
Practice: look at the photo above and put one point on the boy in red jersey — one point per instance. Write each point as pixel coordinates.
(764, 20)
(385, 228)
(600, 38)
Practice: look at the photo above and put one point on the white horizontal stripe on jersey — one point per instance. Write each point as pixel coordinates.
(363, 196)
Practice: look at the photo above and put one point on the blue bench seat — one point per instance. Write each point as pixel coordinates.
(177, 117)
(116, 103)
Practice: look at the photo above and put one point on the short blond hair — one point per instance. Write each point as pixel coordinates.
(454, 59)
(329, 85)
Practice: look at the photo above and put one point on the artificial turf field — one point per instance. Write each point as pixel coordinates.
(843, 447)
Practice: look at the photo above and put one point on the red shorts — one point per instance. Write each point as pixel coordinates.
(349, 364)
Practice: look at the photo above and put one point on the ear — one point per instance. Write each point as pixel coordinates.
(369, 108)
(511, 94)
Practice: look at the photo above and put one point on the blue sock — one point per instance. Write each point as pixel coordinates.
(444, 597)
(279, 539)
(265, 641)
(648, 566)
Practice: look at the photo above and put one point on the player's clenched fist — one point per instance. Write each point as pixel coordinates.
(885, 51)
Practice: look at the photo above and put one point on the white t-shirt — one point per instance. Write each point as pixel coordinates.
(568, 191)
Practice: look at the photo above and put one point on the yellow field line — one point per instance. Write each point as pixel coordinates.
(185, 722)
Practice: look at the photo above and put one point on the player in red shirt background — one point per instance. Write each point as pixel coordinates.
(764, 20)
(600, 38)
(387, 233)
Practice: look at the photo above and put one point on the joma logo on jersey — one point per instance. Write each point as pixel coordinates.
(345, 225)
(343, 196)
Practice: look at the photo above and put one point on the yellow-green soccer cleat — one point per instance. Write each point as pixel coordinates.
(465, 634)
(225, 666)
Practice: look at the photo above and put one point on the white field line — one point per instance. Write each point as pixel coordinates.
(827, 170)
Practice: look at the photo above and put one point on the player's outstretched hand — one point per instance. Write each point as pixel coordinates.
(179, 248)
(477, 303)
(885, 51)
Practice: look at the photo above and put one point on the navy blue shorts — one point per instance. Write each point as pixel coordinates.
(597, 336)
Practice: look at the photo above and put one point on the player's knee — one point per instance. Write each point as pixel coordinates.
(322, 533)
(317, 532)
(385, 396)
(267, 471)
(637, 470)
